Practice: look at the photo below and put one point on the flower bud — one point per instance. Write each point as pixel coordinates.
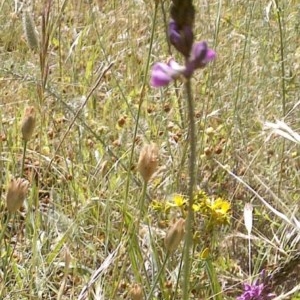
(148, 161)
(28, 123)
(175, 235)
(136, 292)
(182, 39)
(16, 193)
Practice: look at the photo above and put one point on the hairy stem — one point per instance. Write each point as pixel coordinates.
(190, 214)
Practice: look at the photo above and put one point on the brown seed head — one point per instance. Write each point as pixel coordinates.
(148, 161)
(175, 235)
(28, 123)
(16, 193)
(136, 292)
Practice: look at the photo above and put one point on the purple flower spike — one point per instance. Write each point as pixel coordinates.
(162, 74)
(181, 39)
(259, 290)
(201, 55)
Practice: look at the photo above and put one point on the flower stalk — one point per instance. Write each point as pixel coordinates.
(196, 56)
(27, 129)
(190, 215)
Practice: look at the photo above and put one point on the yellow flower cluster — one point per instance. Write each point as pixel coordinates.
(216, 211)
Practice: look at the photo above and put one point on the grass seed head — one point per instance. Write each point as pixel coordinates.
(148, 161)
(30, 32)
(28, 123)
(16, 193)
(175, 235)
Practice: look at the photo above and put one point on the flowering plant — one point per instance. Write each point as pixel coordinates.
(259, 290)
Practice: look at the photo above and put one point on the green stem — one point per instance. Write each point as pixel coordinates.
(279, 19)
(23, 158)
(190, 214)
(7, 218)
(139, 109)
(158, 276)
(282, 59)
(135, 253)
(142, 203)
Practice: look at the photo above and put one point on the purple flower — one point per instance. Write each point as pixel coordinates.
(201, 55)
(162, 74)
(181, 39)
(251, 292)
(259, 290)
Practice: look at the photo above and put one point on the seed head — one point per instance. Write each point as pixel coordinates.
(28, 123)
(136, 292)
(175, 235)
(30, 31)
(16, 193)
(148, 161)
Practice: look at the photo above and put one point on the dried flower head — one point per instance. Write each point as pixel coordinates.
(148, 161)
(136, 292)
(16, 193)
(28, 123)
(175, 235)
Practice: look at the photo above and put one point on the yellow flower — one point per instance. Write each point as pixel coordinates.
(220, 206)
(196, 207)
(216, 210)
(220, 210)
(177, 201)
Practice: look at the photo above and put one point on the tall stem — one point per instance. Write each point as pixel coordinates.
(23, 158)
(142, 94)
(283, 87)
(190, 215)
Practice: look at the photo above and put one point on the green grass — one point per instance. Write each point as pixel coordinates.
(85, 191)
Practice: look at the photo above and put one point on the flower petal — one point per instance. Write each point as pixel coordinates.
(176, 67)
(159, 79)
(201, 55)
(162, 74)
(210, 56)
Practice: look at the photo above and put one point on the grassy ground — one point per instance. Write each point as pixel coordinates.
(89, 84)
